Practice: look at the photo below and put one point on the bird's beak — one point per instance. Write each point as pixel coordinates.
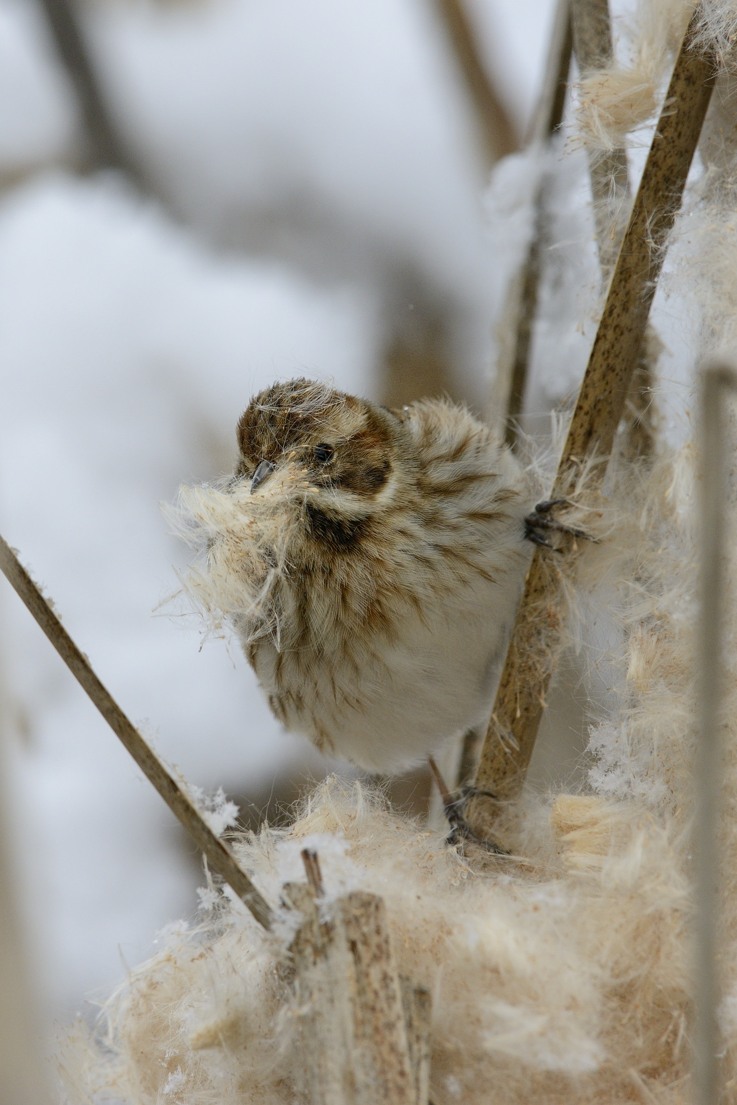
(263, 471)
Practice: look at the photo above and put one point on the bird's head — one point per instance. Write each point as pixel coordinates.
(315, 468)
(339, 456)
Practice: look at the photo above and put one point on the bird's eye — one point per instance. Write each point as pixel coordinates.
(323, 453)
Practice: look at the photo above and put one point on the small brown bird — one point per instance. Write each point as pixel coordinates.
(370, 561)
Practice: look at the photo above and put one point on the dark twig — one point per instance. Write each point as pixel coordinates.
(495, 123)
(107, 148)
(311, 862)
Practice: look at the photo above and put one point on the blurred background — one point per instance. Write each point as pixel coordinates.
(198, 197)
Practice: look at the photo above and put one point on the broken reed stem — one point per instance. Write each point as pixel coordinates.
(364, 1032)
(521, 306)
(218, 855)
(717, 382)
(311, 863)
(535, 641)
(497, 129)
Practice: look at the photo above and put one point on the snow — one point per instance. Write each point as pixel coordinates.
(217, 809)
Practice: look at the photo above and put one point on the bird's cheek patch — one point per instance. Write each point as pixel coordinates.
(364, 463)
(362, 478)
(340, 534)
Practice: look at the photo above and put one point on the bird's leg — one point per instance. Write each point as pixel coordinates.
(542, 521)
(454, 805)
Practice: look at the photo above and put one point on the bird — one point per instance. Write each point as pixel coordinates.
(370, 561)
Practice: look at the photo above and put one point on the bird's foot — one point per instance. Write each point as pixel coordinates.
(460, 830)
(454, 808)
(542, 522)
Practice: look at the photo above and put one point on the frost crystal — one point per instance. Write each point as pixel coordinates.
(217, 810)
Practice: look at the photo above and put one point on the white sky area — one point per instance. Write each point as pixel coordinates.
(131, 340)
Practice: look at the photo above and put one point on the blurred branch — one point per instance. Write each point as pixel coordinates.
(497, 128)
(611, 193)
(535, 643)
(610, 190)
(548, 112)
(416, 358)
(218, 855)
(21, 1061)
(521, 306)
(108, 150)
(592, 42)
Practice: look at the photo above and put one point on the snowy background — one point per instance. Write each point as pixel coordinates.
(317, 204)
(315, 208)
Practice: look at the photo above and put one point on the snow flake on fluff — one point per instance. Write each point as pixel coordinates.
(219, 812)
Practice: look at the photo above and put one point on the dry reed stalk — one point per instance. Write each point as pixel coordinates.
(717, 382)
(521, 306)
(497, 129)
(533, 649)
(218, 855)
(364, 1033)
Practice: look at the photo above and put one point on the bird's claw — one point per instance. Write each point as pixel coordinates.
(542, 521)
(454, 806)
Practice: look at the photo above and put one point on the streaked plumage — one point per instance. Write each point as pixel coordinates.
(370, 561)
